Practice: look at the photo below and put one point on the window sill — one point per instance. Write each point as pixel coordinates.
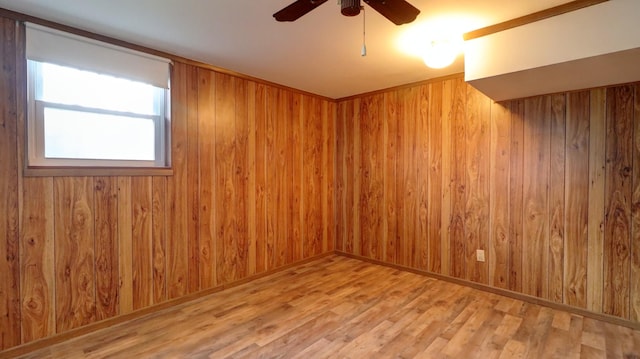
(34, 171)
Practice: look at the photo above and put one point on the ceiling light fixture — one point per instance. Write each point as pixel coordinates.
(442, 52)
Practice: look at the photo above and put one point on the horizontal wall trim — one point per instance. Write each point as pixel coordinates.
(36, 20)
(503, 292)
(400, 87)
(74, 333)
(527, 19)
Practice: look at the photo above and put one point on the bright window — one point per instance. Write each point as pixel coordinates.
(82, 115)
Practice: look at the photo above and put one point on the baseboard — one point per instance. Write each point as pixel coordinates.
(73, 333)
(504, 292)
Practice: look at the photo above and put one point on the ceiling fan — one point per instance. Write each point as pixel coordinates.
(397, 11)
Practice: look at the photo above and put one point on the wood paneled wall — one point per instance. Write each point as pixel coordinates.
(251, 191)
(548, 187)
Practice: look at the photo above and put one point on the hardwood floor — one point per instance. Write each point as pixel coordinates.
(338, 307)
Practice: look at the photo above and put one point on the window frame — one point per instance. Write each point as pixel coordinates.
(38, 165)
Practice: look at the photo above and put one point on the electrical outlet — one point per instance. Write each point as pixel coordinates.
(480, 255)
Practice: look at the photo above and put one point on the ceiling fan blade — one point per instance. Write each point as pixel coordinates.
(397, 11)
(298, 8)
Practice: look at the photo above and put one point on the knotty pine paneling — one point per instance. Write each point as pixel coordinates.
(547, 186)
(76, 250)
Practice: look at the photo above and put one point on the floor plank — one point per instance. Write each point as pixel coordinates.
(343, 308)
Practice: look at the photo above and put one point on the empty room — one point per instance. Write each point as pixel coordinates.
(320, 179)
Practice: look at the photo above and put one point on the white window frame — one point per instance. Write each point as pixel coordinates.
(34, 141)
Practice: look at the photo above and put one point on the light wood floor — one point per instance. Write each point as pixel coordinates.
(338, 307)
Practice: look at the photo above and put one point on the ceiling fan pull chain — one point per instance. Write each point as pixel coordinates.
(363, 52)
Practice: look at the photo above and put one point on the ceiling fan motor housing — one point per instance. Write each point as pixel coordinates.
(350, 7)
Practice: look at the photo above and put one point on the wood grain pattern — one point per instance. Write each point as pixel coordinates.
(394, 314)
(557, 198)
(151, 239)
(74, 254)
(458, 180)
(617, 233)
(207, 174)
(296, 214)
(426, 167)
(327, 169)
(177, 238)
(125, 248)
(411, 244)
(312, 176)
(390, 141)
(193, 181)
(37, 263)
(634, 303)
(341, 180)
(447, 183)
(499, 177)
(106, 246)
(516, 209)
(434, 177)
(535, 275)
(159, 238)
(576, 208)
(241, 177)
(141, 241)
(226, 196)
(9, 224)
(477, 146)
(596, 217)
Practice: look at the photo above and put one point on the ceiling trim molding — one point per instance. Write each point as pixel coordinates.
(402, 87)
(527, 19)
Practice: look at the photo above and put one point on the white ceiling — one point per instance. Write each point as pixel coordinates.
(318, 53)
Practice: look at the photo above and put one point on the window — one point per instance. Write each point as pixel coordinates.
(91, 104)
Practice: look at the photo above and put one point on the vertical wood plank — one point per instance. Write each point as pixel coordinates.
(312, 181)
(261, 178)
(458, 179)
(341, 181)
(476, 222)
(177, 216)
(141, 241)
(400, 241)
(390, 141)
(298, 185)
(125, 249)
(207, 174)
(597, 156)
(371, 195)
(225, 152)
(634, 279)
(618, 182)
(576, 199)
(74, 254)
(354, 169)
(241, 178)
(193, 185)
(499, 189)
(37, 263)
(535, 276)
(9, 224)
(516, 189)
(282, 178)
(412, 247)
(435, 196)
(159, 238)
(447, 180)
(328, 175)
(251, 184)
(425, 166)
(557, 199)
(106, 242)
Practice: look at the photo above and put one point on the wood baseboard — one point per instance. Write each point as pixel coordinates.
(504, 292)
(58, 338)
